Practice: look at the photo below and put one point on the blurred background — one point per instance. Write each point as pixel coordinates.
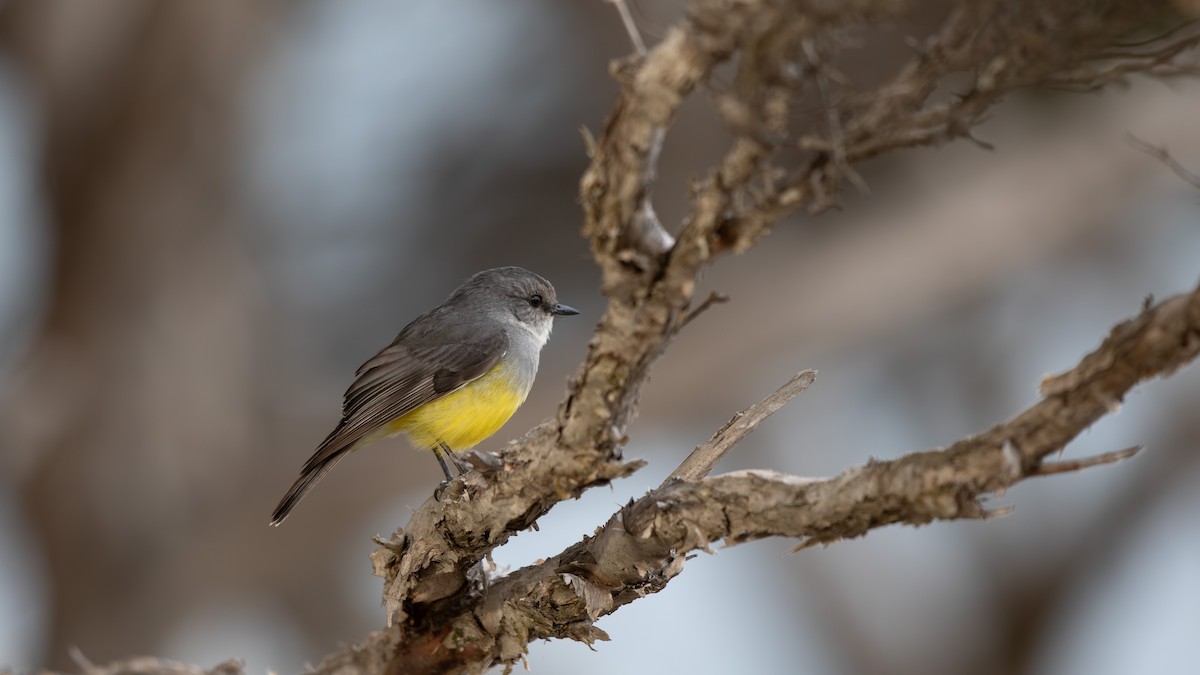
(212, 212)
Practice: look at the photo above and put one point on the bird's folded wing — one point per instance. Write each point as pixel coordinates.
(400, 379)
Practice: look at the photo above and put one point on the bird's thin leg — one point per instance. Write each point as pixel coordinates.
(461, 464)
(437, 452)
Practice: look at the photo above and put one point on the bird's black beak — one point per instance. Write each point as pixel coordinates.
(564, 310)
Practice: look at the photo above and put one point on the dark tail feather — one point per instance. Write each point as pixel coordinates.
(313, 472)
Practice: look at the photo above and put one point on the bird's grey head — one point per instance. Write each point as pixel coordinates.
(515, 292)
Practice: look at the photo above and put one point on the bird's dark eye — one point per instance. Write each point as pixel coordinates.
(535, 300)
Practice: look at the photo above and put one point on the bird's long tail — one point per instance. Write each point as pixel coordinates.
(309, 475)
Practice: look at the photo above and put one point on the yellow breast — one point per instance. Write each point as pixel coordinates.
(464, 418)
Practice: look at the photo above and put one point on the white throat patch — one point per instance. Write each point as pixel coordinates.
(540, 332)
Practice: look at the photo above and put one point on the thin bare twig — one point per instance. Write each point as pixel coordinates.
(707, 454)
(713, 298)
(837, 138)
(1051, 468)
(1158, 37)
(1160, 153)
(630, 27)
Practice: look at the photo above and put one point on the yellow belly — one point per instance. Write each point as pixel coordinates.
(464, 418)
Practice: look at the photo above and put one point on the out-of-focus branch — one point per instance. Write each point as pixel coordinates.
(138, 113)
(151, 665)
(1160, 153)
(1051, 468)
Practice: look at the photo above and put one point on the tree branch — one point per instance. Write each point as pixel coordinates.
(1051, 468)
(649, 277)
(645, 544)
(707, 454)
(1160, 153)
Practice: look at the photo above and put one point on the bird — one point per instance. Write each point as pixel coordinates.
(451, 378)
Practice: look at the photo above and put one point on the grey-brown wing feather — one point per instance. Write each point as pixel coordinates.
(428, 359)
(402, 378)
